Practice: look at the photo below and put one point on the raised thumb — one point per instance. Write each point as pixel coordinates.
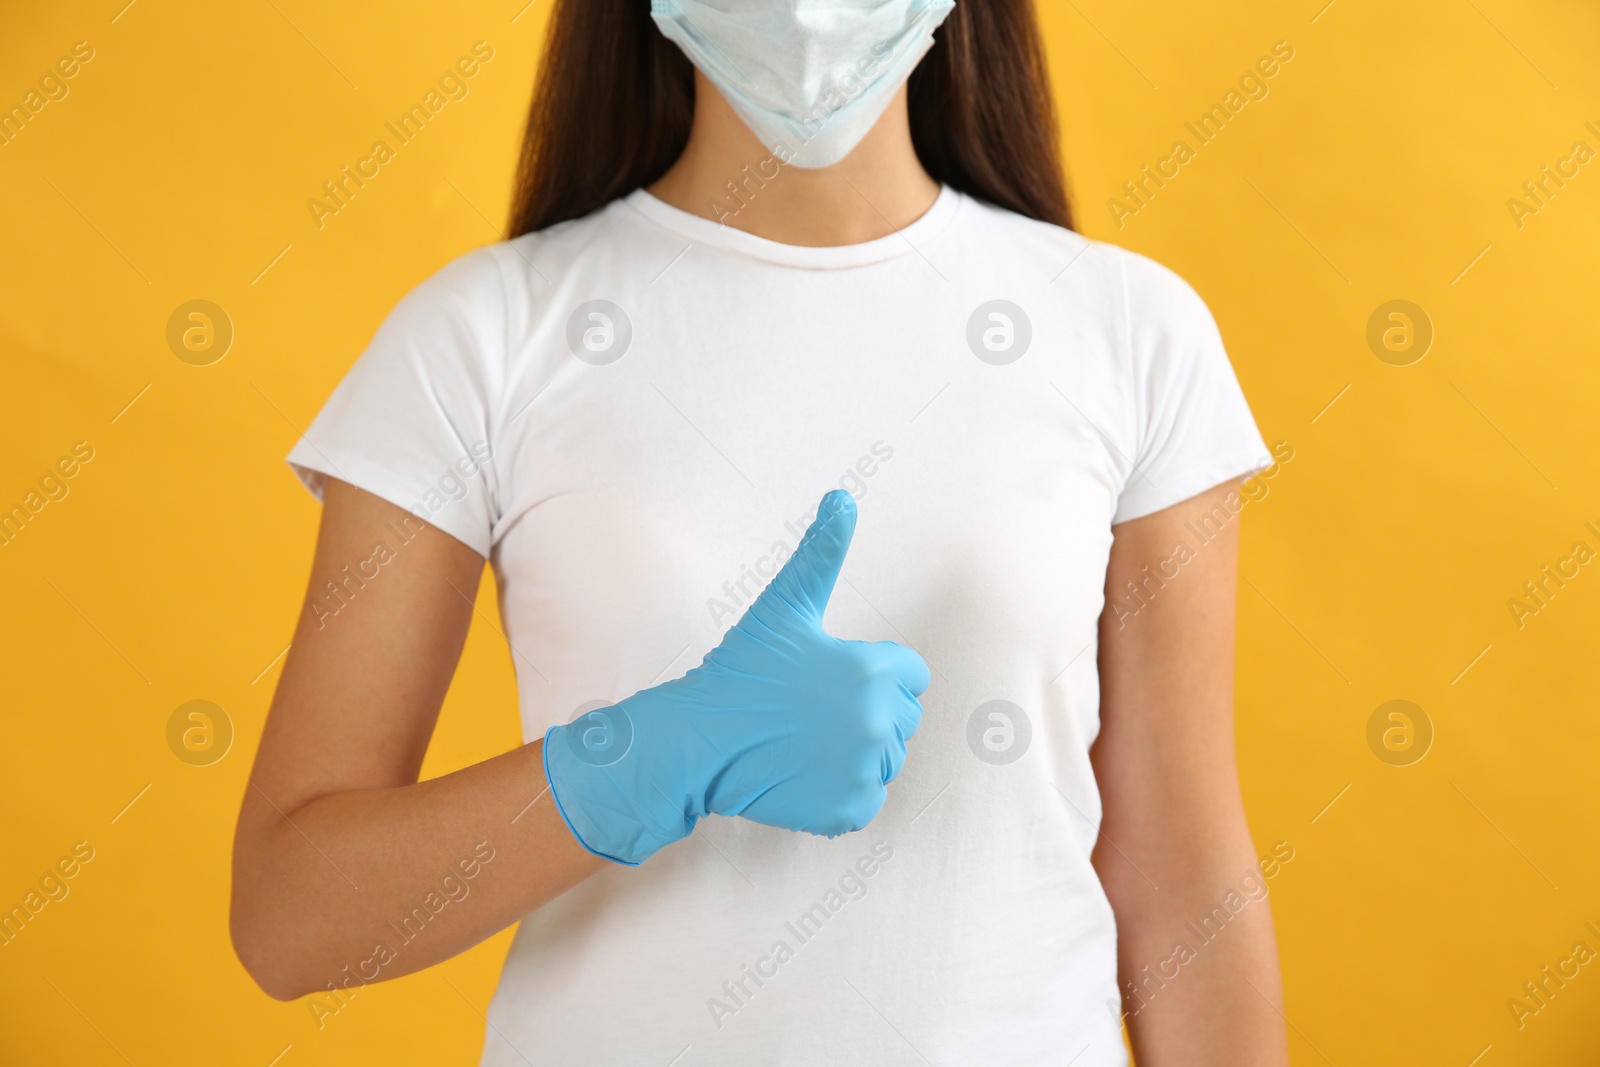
(806, 581)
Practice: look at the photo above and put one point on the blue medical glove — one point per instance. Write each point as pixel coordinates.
(780, 723)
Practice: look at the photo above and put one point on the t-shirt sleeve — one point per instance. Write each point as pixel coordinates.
(1192, 429)
(412, 420)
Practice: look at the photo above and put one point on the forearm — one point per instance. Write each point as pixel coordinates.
(1197, 959)
(369, 885)
(347, 870)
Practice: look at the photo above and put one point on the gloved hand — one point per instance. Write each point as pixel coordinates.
(780, 723)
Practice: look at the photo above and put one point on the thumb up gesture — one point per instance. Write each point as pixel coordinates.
(781, 723)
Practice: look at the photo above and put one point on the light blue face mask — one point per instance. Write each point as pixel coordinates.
(809, 77)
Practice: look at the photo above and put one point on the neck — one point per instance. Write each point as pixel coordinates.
(877, 189)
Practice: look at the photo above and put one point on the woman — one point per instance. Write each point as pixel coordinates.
(760, 258)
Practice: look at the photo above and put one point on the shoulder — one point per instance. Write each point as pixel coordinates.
(468, 290)
(447, 331)
(1155, 291)
(1017, 235)
(483, 280)
(1146, 285)
(1138, 286)
(611, 233)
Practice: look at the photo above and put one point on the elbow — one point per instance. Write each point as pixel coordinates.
(269, 974)
(262, 955)
(260, 924)
(275, 988)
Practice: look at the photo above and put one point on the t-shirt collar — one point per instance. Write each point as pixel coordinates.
(702, 230)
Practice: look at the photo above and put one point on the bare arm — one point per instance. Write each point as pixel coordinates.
(1169, 782)
(338, 846)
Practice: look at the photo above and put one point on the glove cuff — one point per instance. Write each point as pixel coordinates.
(553, 738)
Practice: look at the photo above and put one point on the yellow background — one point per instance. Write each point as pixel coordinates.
(1378, 568)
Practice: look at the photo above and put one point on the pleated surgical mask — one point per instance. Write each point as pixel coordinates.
(809, 77)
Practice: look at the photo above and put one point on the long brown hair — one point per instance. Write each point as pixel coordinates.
(614, 102)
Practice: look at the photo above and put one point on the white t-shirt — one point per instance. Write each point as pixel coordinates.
(633, 416)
